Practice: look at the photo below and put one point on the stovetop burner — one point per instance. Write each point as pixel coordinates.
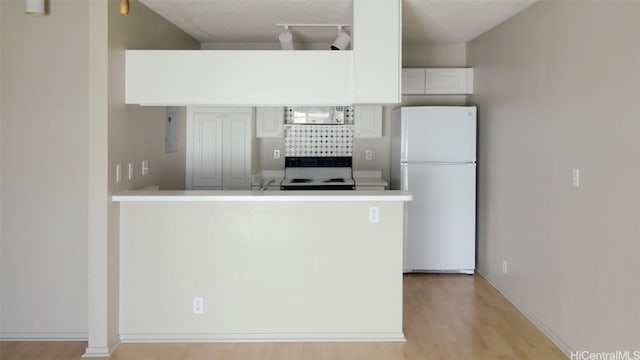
(318, 173)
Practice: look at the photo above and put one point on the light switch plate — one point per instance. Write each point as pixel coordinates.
(145, 167)
(576, 177)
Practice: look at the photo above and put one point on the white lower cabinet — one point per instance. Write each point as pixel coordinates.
(368, 121)
(269, 121)
(218, 148)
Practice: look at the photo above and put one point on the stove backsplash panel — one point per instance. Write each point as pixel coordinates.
(318, 140)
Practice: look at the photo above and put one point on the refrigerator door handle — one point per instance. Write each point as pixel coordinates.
(404, 142)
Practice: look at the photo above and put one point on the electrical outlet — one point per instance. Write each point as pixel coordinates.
(276, 154)
(130, 167)
(368, 155)
(118, 173)
(198, 305)
(504, 267)
(575, 177)
(374, 214)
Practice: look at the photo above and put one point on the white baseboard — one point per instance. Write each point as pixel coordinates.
(563, 346)
(96, 352)
(310, 337)
(54, 336)
(101, 351)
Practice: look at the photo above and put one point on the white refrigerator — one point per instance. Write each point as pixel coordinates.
(434, 158)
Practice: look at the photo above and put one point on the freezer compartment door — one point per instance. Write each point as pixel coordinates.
(438, 134)
(440, 224)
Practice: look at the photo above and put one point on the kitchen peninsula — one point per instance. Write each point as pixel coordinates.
(267, 266)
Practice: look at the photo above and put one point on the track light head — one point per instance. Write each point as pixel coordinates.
(286, 39)
(341, 42)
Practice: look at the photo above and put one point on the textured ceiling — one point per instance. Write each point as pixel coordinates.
(442, 21)
(424, 21)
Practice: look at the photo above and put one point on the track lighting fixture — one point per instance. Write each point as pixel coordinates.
(340, 43)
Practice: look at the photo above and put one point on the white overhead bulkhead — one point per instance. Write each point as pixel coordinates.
(368, 74)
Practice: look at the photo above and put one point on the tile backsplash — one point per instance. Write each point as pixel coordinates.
(318, 140)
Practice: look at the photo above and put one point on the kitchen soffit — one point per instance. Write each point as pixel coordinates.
(253, 21)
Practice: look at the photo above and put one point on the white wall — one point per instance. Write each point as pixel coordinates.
(557, 88)
(134, 134)
(137, 133)
(44, 171)
(53, 157)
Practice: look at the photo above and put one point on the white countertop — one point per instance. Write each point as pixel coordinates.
(299, 195)
(369, 178)
(368, 181)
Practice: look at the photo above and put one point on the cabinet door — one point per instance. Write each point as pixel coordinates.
(368, 121)
(413, 81)
(269, 121)
(449, 81)
(236, 161)
(204, 148)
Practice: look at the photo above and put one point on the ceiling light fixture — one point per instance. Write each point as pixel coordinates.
(124, 7)
(34, 7)
(340, 43)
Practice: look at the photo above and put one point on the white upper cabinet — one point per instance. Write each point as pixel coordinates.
(269, 121)
(218, 148)
(449, 81)
(436, 81)
(377, 44)
(368, 121)
(413, 81)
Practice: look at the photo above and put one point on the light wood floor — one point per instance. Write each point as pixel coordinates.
(445, 317)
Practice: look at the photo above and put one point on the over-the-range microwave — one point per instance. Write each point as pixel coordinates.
(342, 115)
